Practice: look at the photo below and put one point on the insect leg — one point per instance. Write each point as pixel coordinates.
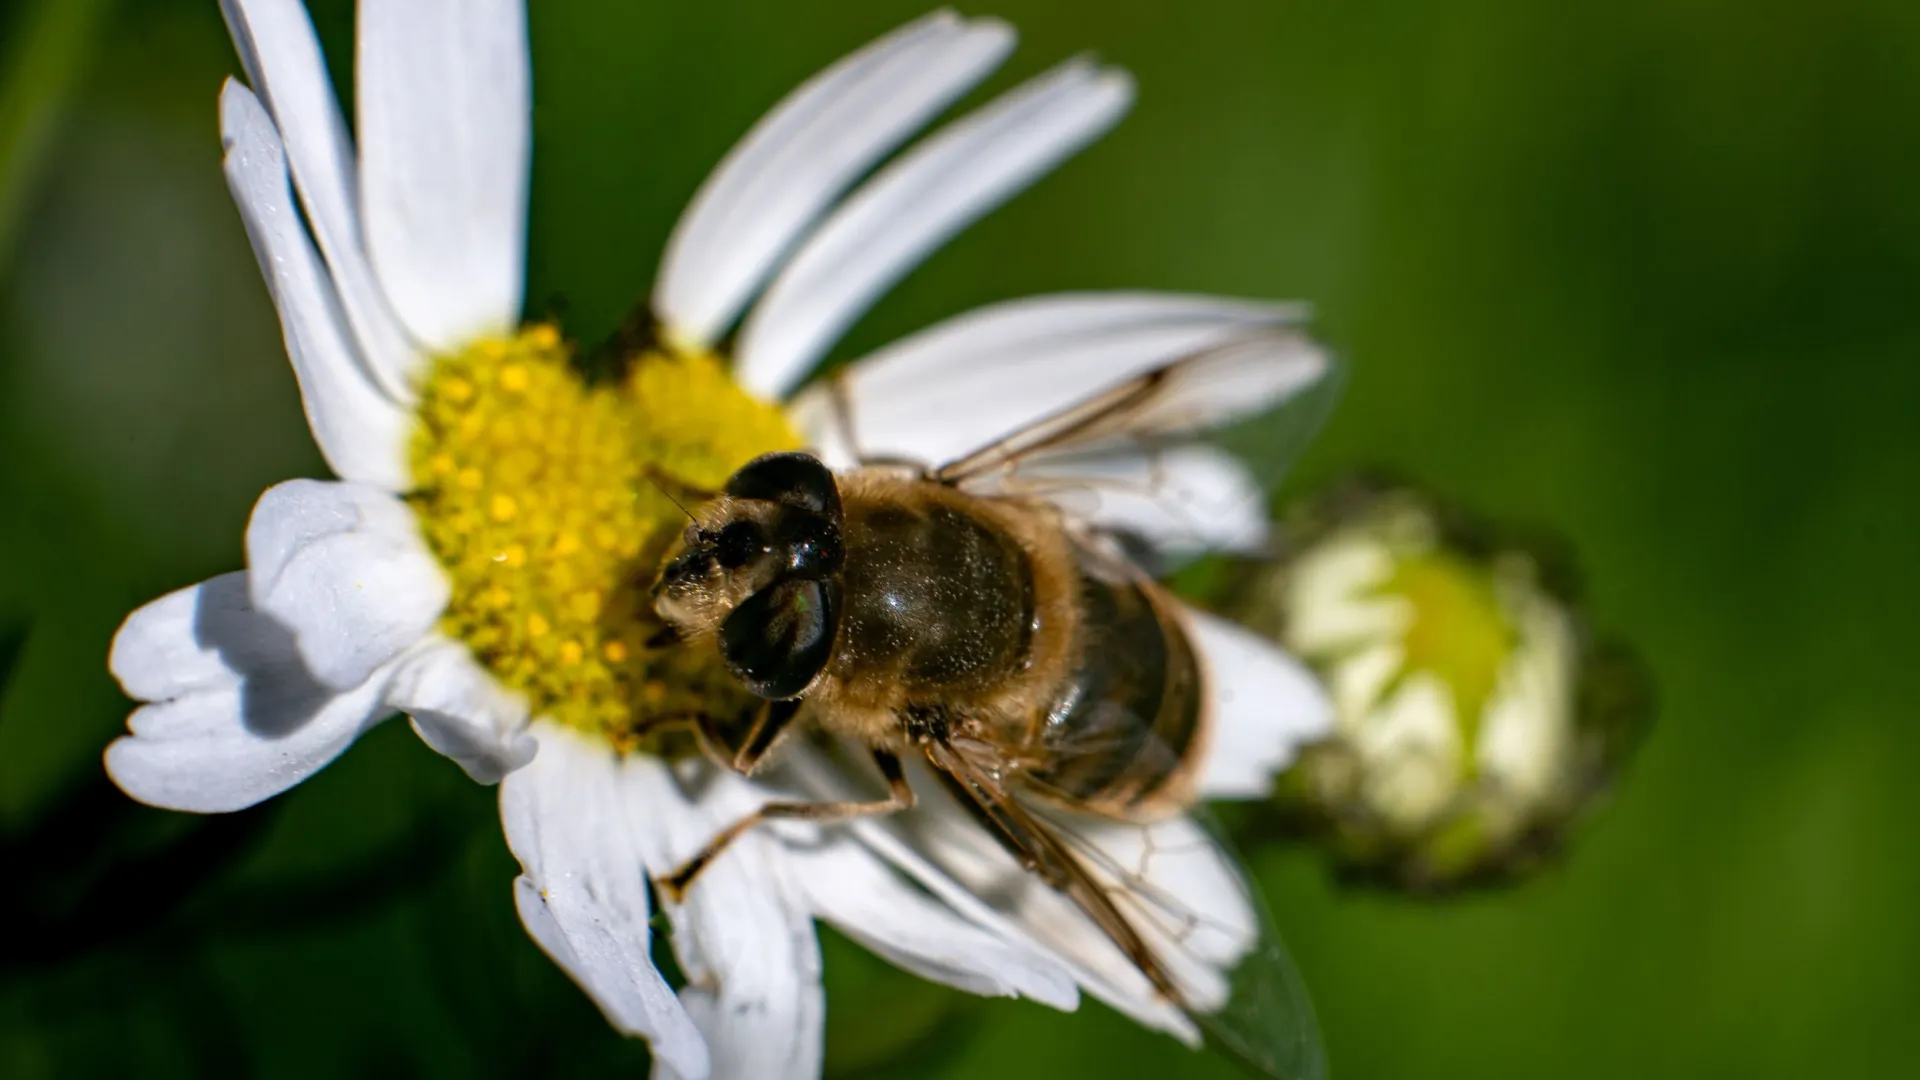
(706, 733)
(771, 723)
(899, 797)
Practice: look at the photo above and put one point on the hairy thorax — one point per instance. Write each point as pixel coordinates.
(958, 610)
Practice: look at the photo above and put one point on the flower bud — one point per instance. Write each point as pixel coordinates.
(1476, 716)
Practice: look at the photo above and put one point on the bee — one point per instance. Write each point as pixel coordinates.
(961, 617)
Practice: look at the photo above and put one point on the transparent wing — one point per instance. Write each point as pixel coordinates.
(1182, 884)
(1213, 387)
(1159, 918)
(1096, 895)
(1183, 455)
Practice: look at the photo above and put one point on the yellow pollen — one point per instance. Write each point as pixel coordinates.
(535, 489)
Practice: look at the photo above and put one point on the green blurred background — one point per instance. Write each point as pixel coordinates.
(1645, 270)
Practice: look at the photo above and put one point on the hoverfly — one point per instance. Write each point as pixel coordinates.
(1015, 672)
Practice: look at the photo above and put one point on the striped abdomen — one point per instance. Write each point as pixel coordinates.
(1120, 729)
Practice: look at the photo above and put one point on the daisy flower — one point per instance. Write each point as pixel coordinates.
(482, 563)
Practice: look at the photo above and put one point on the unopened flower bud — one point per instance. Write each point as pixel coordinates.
(1476, 715)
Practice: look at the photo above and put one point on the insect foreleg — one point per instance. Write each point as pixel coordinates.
(769, 723)
(707, 733)
(772, 722)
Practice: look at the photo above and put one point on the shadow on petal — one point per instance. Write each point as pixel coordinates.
(278, 694)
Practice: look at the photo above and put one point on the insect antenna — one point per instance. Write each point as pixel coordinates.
(655, 481)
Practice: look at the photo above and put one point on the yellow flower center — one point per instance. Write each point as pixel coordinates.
(542, 497)
(1460, 631)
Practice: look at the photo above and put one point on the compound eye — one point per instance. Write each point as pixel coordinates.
(779, 638)
(790, 478)
(738, 544)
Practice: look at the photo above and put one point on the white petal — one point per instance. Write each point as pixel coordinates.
(1360, 680)
(237, 718)
(460, 711)
(1334, 600)
(1265, 706)
(359, 428)
(197, 638)
(1526, 729)
(583, 890)
(913, 206)
(1412, 753)
(848, 886)
(283, 62)
(345, 568)
(963, 383)
(744, 937)
(444, 103)
(801, 155)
